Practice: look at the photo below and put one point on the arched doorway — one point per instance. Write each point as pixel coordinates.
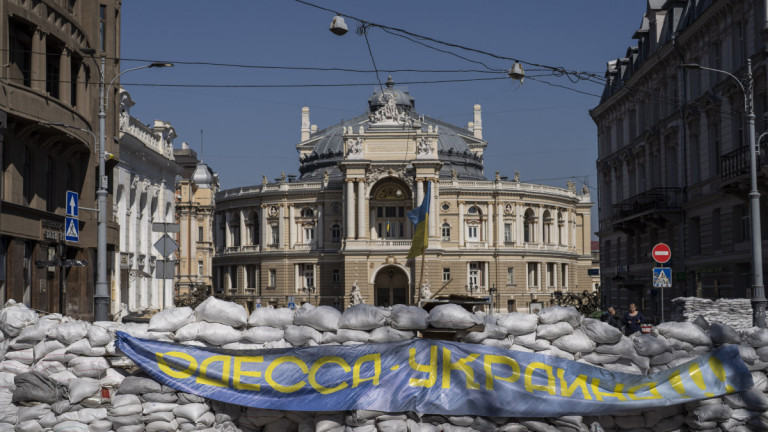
(390, 287)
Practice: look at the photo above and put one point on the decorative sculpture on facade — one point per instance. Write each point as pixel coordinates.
(571, 186)
(424, 149)
(517, 176)
(454, 175)
(355, 148)
(355, 297)
(498, 176)
(390, 113)
(264, 180)
(326, 176)
(585, 190)
(425, 292)
(283, 177)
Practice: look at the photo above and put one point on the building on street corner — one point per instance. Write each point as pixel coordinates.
(49, 102)
(342, 222)
(673, 155)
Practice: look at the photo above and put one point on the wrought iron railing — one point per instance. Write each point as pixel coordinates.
(654, 199)
(736, 163)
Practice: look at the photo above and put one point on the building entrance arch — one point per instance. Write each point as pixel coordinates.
(390, 286)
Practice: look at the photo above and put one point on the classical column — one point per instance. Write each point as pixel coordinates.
(419, 192)
(350, 209)
(320, 226)
(263, 228)
(361, 209)
(291, 227)
(243, 231)
(65, 76)
(281, 227)
(486, 276)
(500, 225)
(489, 225)
(81, 95)
(461, 224)
(38, 73)
(227, 229)
(432, 207)
(519, 223)
(297, 283)
(372, 233)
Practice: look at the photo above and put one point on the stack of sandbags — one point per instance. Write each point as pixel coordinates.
(736, 313)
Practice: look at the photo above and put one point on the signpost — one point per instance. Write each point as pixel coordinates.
(71, 222)
(662, 276)
(164, 268)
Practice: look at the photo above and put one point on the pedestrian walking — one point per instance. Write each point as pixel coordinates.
(632, 320)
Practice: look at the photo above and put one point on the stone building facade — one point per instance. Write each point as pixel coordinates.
(49, 101)
(144, 190)
(195, 200)
(673, 158)
(343, 222)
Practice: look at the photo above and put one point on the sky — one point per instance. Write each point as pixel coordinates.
(540, 128)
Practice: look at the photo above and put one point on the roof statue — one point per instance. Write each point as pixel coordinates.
(355, 297)
(425, 293)
(355, 148)
(424, 149)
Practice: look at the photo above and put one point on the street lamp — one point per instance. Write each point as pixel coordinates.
(101, 291)
(758, 291)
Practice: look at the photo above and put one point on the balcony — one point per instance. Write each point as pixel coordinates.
(652, 206)
(476, 245)
(390, 244)
(734, 168)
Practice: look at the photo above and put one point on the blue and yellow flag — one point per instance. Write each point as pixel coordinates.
(420, 217)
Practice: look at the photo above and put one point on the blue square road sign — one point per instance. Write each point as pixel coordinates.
(71, 230)
(73, 204)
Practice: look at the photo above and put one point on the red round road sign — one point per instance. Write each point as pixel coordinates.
(661, 253)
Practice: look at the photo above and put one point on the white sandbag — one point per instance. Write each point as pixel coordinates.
(240, 346)
(112, 378)
(71, 426)
(153, 407)
(406, 317)
(518, 323)
(99, 336)
(555, 314)
(88, 367)
(577, 342)
(598, 359)
(81, 388)
(345, 335)
(15, 316)
(62, 377)
(299, 335)
(6, 381)
(747, 353)
(684, 331)
(100, 426)
(263, 334)
(30, 426)
(322, 318)
(491, 330)
(138, 385)
(60, 355)
(554, 331)
(600, 332)
(122, 399)
(362, 317)
(162, 426)
(36, 333)
(48, 368)
(624, 347)
(85, 415)
(758, 338)
(26, 356)
(138, 330)
(44, 347)
(14, 367)
(83, 347)
(33, 412)
(388, 334)
(191, 412)
(452, 316)
(557, 352)
(270, 317)
(392, 426)
(505, 343)
(650, 344)
(218, 334)
(172, 319)
(213, 310)
(189, 332)
(69, 333)
(530, 340)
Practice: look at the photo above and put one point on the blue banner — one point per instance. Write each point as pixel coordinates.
(430, 377)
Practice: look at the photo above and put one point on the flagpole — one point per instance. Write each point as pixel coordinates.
(424, 250)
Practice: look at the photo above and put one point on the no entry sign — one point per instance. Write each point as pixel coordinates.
(661, 253)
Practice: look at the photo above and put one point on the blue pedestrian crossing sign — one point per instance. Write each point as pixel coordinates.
(71, 230)
(291, 303)
(73, 204)
(662, 277)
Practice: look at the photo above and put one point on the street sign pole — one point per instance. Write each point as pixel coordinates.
(166, 246)
(661, 253)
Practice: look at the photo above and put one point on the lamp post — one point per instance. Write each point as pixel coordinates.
(101, 291)
(758, 290)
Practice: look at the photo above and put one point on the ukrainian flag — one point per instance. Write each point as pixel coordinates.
(420, 217)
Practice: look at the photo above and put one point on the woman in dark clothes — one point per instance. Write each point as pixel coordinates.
(632, 320)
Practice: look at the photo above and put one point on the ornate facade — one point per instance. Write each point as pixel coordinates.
(343, 222)
(673, 158)
(144, 187)
(49, 104)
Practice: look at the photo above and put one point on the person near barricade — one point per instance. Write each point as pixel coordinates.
(611, 318)
(632, 320)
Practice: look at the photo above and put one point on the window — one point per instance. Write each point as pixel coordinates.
(472, 233)
(695, 159)
(336, 275)
(564, 276)
(446, 274)
(474, 274)
(199, 234)
(309, 234)
(446, 232)
(507, 232)
(71, 6)
(472, 210)
(199, 268)
(20, 56)
(309, 276)
(272, 279)
(307, 212)
(336, 233)
(445, 207)
(102, 27)
(275, 235)
(533, 275)
(510, 276)
(235, 232)
(550, 275)
(528, 222)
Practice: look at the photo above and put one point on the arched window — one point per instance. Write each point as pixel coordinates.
(446, 231)
(529, 219)
(560, 228)
(307, 212)
(547, 228)
(254, 226)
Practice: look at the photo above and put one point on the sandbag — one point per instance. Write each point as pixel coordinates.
(81, 388)
(83, 347)
(69, 333)
(136, 385)
(555, 314)
(758, 338)
(270, 317)
(577, 342)
(92, 367)
(452, 316)
(218, 334)
(213, 310)
(172, 319)
(300, 335)
(44, 347)
(684, 331)
(650, 345)
(362, 317)
(36, 387)
(404, 317)
(723, 334)
(191, 412)
(554, 330)
(345, 335)
(600, 332)
(263, 334)
(189, 332)
(15, 316)
(36, 333)
(322, 318)
(99, 336)
(388, 334)
(518, 323)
